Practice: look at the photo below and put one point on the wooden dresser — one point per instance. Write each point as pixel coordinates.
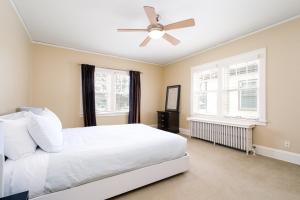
(168, 121)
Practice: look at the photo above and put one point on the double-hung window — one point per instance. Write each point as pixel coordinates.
(206, 93)
(111, 91)
(231, 88)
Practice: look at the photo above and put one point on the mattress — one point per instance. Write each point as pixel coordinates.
(91, 154)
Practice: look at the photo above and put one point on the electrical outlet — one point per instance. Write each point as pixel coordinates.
(287, 144)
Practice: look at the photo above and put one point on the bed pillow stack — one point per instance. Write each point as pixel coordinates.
(24, 131)
(46, 130)
(18, 142)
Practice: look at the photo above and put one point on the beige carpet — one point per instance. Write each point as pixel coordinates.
(223, 173)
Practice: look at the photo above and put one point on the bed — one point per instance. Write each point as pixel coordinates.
(97, 163)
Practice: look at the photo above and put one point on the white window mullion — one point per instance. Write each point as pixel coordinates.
(262, 87)
(113, 92)
(220, 91)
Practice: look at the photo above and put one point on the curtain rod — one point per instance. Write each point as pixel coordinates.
(126, 70)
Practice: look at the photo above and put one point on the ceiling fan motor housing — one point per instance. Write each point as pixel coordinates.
(156, 27)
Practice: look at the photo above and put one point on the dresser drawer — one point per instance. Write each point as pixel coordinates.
(168, 121)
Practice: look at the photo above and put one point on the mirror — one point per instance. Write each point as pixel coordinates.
(172, 99)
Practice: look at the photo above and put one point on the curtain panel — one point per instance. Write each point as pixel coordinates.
(134, 115)
(88, 94)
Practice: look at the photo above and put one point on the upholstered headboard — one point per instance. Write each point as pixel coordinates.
(35, 110)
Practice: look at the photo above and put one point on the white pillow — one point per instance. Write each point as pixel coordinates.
(46, 132)
(17, 141)
(48, 113)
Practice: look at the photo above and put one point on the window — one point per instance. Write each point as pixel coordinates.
(205, 93)
(111, 91)
(231, 88)
(240, 87)
(248, 95)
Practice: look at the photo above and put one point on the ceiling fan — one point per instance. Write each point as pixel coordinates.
(156, 30)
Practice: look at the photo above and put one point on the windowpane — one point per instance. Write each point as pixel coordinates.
(202, 102)
(240, 90)
(205, 85)
(122, 92)
(101, 102)
(102, 91)
(248, 100)
(111, 91)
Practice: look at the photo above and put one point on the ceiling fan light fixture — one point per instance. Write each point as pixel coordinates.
(156, 30)
(156, 34)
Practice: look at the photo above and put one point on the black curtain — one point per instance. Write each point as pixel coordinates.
(134, 97)
(88, 94)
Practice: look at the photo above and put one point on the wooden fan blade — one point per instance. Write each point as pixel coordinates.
(171, 39)
(151, 14)
(131, 29)
(181, 24)
(145, 42)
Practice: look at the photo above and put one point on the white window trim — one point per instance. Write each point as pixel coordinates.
(111, 114)
(104, 114)
(262, 87)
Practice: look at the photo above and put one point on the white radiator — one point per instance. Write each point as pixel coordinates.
(232, 134)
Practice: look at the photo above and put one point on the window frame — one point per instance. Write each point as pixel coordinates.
(221, 64)
(204, 68)
(104, 114)
(113, 111)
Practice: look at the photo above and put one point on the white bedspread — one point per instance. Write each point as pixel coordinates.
(91, 154)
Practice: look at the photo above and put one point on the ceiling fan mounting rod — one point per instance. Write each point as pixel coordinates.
(157, 18)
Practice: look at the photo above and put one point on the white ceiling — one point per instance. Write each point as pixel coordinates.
(91, 25)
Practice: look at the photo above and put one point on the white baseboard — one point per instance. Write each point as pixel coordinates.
(278, 154)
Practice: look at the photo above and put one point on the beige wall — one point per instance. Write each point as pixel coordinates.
(283, 81)
(56, 83)
(15, 58)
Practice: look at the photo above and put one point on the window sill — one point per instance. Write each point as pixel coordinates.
(109, 114)
(228, 121)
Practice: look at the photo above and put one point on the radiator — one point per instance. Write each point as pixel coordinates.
(235, 135)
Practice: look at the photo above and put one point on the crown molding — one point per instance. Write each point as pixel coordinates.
(94, 52)
(141, 61)
(13, 5)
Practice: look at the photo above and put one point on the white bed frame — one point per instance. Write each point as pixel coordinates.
(111, 186)
(1, 162)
